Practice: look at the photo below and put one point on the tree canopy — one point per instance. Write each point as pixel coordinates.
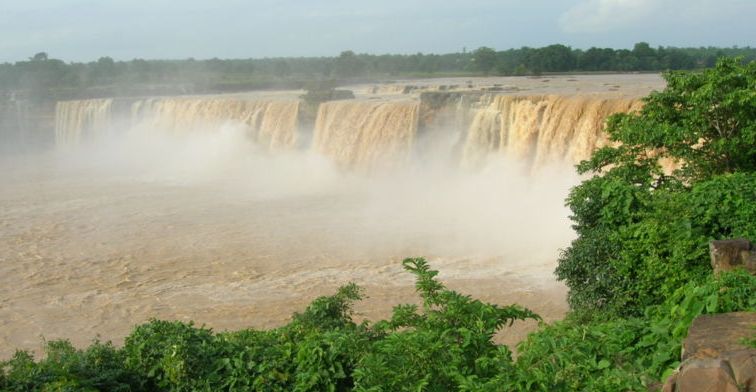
(643, 231)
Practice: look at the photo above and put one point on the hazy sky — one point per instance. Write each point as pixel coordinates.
(84, 30)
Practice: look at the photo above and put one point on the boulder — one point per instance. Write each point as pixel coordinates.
(729, 254)
(743, 365)
(712, 335)
(706, 375)
(715, 357)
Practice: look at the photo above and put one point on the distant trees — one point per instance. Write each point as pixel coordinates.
(103, 71)
(484, 60)
(41, 75)
(38, 75)
(41, 56)
(552, 58)
(348, 65)
(597, 59)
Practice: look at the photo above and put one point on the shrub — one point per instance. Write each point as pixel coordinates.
(626, 354)
(441, 348)
(446, 346)
(171, 355)
(100, 367)
(643, 233)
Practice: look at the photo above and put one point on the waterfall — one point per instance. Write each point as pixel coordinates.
(83, 119)
(366, 135)
(270, 123)
(541, 129)
(370, 135)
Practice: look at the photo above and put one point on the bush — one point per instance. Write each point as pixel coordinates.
(446, 346)
(171, 355)
(570, 356)
(621, 268)
(100, 367)
(442, 348)
(668, 324)
(643, 233)
(626, 354)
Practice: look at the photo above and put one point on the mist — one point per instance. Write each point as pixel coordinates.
(153, 223)
(237, 210)
(501, 209)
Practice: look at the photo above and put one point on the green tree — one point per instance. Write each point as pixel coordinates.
(484, 60)
(103, 71)
(41, 56)
(553, 58)
(646, 56)
(597, 59)
(348, 65)
(642, 232)
(705, 121)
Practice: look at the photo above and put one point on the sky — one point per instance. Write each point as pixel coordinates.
(84, 30)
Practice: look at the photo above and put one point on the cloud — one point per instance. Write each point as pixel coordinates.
(596, 16)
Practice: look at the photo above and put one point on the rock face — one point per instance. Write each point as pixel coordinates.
(706, 375)
(729, 254)
(714, 356)
(712, 335)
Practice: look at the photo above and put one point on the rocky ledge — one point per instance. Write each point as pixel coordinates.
(716, 357)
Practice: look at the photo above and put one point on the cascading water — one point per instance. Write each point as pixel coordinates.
(370, 135)
(541, 129)
(271, 124)
(366, 135)
(82, 119)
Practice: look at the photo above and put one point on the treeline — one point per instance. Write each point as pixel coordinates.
(560, 58)
(43, 76)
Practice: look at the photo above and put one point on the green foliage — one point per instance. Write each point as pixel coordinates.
(724, 204)
(348, 65)
(484, 60)
(171, 355)
(440, 348)
(254, 360)
(100, 367)
(639, 270)
(447, 346)
(571, 356)
(626, 354)
(332, 312)
(704, 121)
(328, 343)
(669, 322)
(643, 233)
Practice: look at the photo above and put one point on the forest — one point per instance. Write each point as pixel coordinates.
(44, 77)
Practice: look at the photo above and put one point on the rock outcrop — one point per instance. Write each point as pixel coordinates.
(729, 254)
(715, 357)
